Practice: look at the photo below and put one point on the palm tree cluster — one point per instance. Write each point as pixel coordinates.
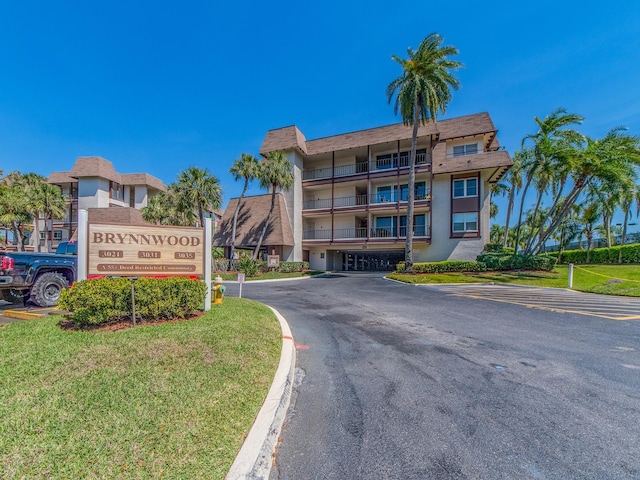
(577, 183)
(186, 201)
(25, 197)
(274, 173)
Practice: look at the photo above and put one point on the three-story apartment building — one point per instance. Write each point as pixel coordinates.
(93, 183)
(348, 203)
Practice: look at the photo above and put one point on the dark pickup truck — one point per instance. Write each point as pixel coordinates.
(36, 276)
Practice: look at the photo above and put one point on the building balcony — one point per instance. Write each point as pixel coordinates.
(364, 200)
(390, 233)
(374, 166)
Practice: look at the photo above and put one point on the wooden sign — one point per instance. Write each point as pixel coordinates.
(273, 261)
(149, 250)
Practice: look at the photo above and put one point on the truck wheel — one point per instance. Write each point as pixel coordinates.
(45, 291)
(14, 296)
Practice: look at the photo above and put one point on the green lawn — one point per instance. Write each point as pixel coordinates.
(605, 279)
(227, 277)
(171, 400)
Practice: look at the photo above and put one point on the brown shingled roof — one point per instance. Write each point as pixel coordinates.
(94, 167)
(251, 218)
(60, 177)
(127, 215)
(282, 139)
(473, 162)
(100, 167)
(290, 137)
(143, 179)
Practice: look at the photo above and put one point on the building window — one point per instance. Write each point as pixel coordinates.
(57, 235)
(386, 194)
(470, 149)
(132, 197)
(385, 227)
(420, 191)
(116, 191)
(419, 226)
(465, 222)
(465, 187)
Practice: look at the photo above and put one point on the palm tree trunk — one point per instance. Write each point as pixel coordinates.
(568, 202)
(266, 224)
(408, 249)
(235, 221)
(36, 233)
(506, 222)
(524, 194)
(624, 234)
(539, 226)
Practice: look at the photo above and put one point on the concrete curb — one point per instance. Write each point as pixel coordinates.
(255, 458)
(21, 315)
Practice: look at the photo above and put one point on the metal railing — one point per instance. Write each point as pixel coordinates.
(379, 164)
(360, 200)
(361, 233)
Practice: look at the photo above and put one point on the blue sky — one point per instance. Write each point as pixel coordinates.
(158, 86)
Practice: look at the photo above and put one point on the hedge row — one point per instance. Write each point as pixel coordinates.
(486, 262)
(503, 261)
(630, 254)
(447, 266)
(101, 301)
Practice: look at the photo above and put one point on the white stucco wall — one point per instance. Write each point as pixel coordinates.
(294, 202)
(93, 193)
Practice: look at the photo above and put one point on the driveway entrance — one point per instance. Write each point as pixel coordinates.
(371, 261)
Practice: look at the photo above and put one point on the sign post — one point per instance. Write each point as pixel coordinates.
(240, 281)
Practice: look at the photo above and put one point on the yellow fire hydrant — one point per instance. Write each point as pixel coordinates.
(218, 289)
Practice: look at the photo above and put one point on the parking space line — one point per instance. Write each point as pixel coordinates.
(555, 300)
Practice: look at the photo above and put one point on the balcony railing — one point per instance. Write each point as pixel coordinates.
(377, 165)
(361, 233)
(360, 200)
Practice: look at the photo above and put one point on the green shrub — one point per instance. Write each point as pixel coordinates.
(249, 266)
(97, 301)
(630, 254)
(495, 261)
(493, 248)
(102, 301)
(444, 267)
(288, 267)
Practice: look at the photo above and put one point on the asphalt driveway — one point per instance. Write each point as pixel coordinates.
(398, 381)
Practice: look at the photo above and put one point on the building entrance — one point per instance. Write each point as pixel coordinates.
(384, 260)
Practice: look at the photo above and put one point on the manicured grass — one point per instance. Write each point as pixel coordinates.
(605, 279)
(270, 275)
(171, 400)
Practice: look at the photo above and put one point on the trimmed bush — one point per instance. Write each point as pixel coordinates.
(249, 266)
(444, 267)
(503, 261)
(101, 301)
(630, 254)
(288, 267)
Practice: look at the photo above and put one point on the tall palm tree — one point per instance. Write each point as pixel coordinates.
(551, 147)
(198, 191)
(275, 173)
(246, 167)
(423, 90)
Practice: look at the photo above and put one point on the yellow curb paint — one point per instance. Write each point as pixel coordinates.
(21, 315)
